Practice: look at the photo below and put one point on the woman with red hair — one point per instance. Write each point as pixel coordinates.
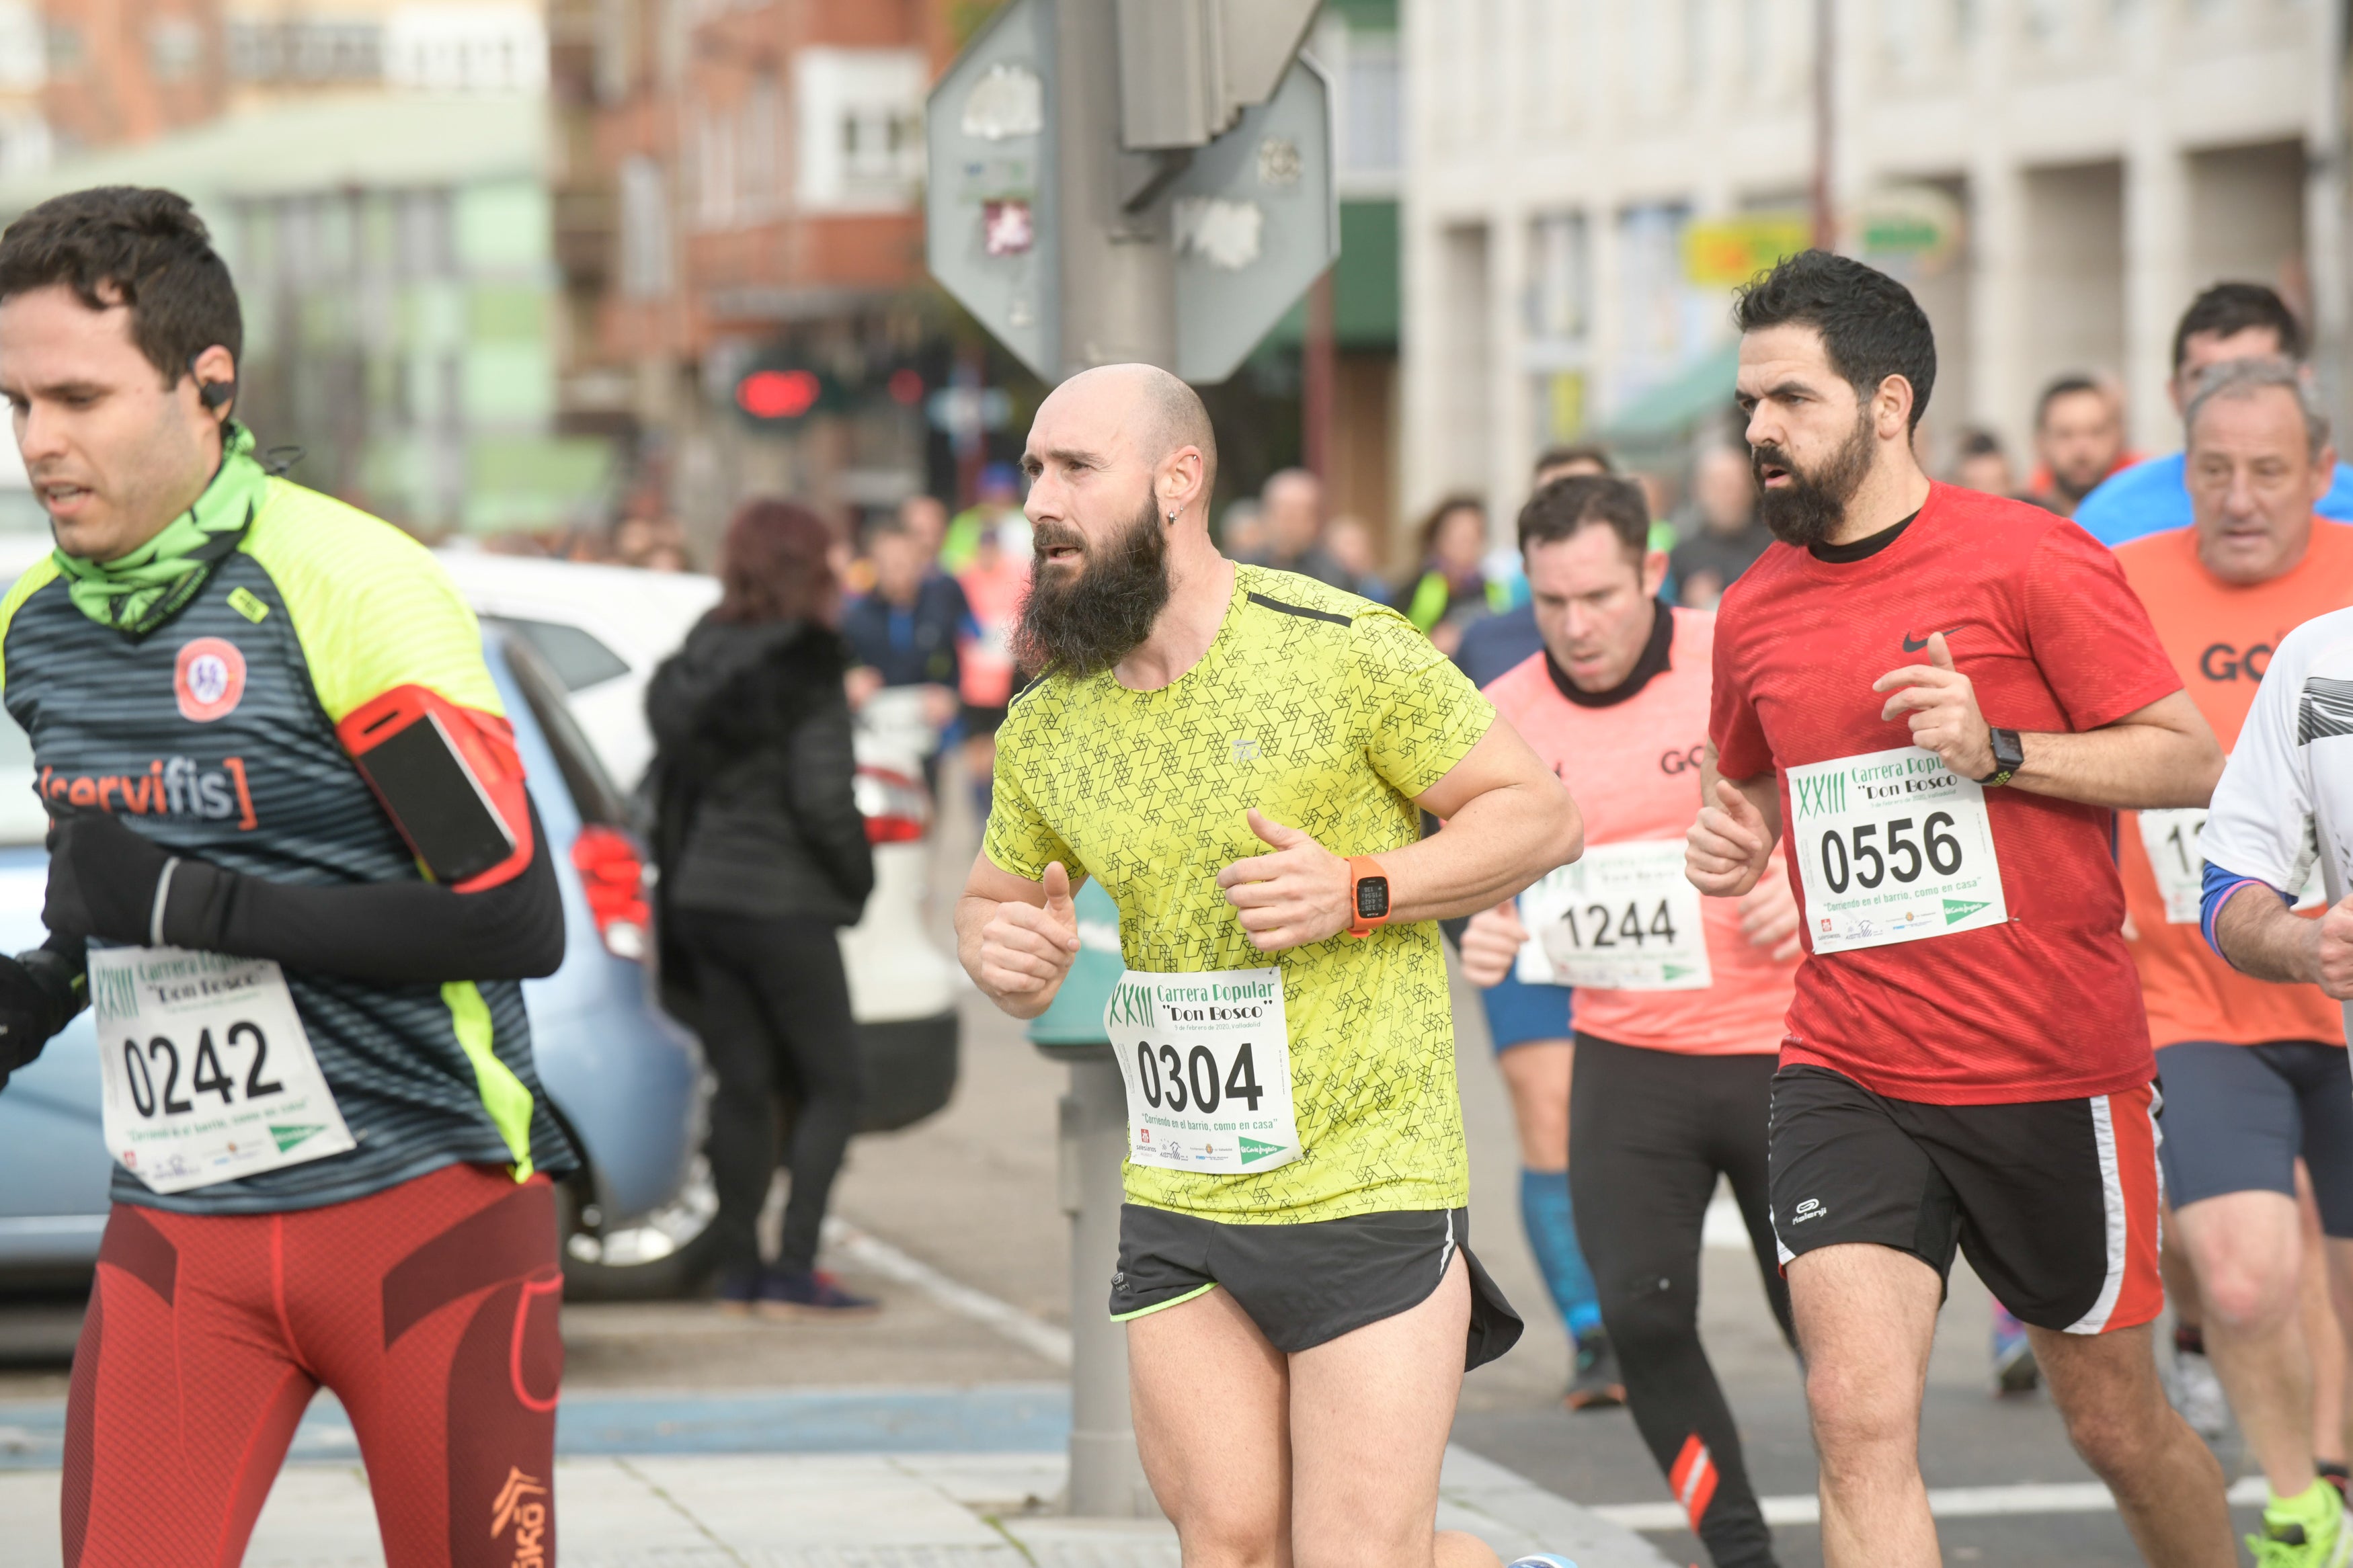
(764, 856)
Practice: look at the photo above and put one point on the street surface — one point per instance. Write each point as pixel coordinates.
(955, 1226)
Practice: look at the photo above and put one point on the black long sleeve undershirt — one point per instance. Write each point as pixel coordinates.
(399, 932)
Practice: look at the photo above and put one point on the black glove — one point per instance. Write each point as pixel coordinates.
(102, 878)
(39, 994)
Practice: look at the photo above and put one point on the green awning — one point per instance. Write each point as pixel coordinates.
(1699, 391)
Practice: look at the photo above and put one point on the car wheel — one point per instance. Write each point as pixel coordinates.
(663, 1256)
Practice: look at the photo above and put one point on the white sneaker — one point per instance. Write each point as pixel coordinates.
(2198, 1394)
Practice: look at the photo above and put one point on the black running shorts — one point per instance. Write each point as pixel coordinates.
(2236, 1117)
(2054, 1200)
(1305, 1284)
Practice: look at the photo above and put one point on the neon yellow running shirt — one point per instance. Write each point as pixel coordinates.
(1328, 713)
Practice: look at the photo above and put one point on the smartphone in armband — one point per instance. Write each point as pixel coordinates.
(436, 798)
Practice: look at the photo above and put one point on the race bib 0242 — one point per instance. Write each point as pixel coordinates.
(1891, 847)
(205, 1072)
(1206, 1058)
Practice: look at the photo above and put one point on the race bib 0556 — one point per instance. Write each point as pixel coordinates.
(1891, 847)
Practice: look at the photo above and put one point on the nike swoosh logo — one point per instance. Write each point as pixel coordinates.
(1911, 646)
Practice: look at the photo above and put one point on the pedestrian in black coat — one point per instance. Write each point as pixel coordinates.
(763, 857)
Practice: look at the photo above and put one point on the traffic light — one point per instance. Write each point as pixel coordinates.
(779, 397)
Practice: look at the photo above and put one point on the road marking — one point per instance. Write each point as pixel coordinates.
(1944, 1502)
(1033, 1333)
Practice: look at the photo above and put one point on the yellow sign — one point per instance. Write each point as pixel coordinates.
(1722, 253)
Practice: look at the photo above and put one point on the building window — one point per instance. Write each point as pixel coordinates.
(305, 53)
(761, 163)
(1372, 101)
(645, 227)
(465, 49)
(65, 49)
(422, 234)
(175, 47)
(861, 142)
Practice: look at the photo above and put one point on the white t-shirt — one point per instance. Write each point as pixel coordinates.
(2286, 796)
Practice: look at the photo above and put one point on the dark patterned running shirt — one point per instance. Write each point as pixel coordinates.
(1327, 713)
(215, 735)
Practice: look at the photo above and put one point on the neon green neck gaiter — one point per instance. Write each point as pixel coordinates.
(147, 587)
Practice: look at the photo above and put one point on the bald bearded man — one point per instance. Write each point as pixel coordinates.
(1238, 756)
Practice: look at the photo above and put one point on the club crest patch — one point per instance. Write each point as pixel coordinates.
(208, 680)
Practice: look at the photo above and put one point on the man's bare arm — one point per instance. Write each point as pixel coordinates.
(2159, 755)
(1508, 822)
(1017, 938)
(2262, 937)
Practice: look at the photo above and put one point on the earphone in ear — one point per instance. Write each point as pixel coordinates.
(212, 394)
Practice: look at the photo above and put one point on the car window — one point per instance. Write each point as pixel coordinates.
(585, 779)
(22, 820)
(576, 659)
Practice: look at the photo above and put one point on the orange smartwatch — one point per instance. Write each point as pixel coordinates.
(1368, 895)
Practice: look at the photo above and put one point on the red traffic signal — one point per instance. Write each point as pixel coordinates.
(777, 393)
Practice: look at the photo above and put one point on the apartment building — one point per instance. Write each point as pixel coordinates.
(2055, 178)
(738, 190)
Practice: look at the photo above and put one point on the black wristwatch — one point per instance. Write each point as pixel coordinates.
(2009, 756)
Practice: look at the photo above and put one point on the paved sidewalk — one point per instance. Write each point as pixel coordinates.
(831, 1511)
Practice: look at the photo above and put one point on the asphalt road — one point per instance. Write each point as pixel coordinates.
(972, 1195)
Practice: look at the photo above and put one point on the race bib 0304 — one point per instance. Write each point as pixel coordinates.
(205, 1072)
(1891, 847)
(1623, 917)
(1206, 1058)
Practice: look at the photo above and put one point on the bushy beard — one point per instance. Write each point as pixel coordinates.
(1809, 508)
(1076, 623)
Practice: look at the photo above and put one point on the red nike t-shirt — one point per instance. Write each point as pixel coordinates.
(2039, 616)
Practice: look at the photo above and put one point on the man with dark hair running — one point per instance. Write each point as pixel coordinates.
(1679, 999)
(296, 872)
(1238, 756)
(2228, 321)
(1942, 698)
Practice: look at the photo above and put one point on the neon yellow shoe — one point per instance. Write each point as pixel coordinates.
(2307, 1531)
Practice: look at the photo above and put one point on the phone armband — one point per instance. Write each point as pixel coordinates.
(449, 779)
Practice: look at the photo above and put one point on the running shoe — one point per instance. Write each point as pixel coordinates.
(2198, 1394)
(1598, 1384)
(2337, 1476)
(810, 1293)
(2307, 1530)
(739, 1289)
(2014, 1369)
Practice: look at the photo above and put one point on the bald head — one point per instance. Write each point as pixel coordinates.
(1158, 412)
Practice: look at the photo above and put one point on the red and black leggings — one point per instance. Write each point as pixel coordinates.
(430, 1309)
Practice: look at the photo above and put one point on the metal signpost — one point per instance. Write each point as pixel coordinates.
(1112, 181)
(1147, 180)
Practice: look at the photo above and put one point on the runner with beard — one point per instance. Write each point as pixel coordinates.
(1945, 697)
(1239, 756)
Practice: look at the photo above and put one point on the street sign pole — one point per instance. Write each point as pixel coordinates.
(1106, 1477)
(1115, 180)
(1118, 273)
